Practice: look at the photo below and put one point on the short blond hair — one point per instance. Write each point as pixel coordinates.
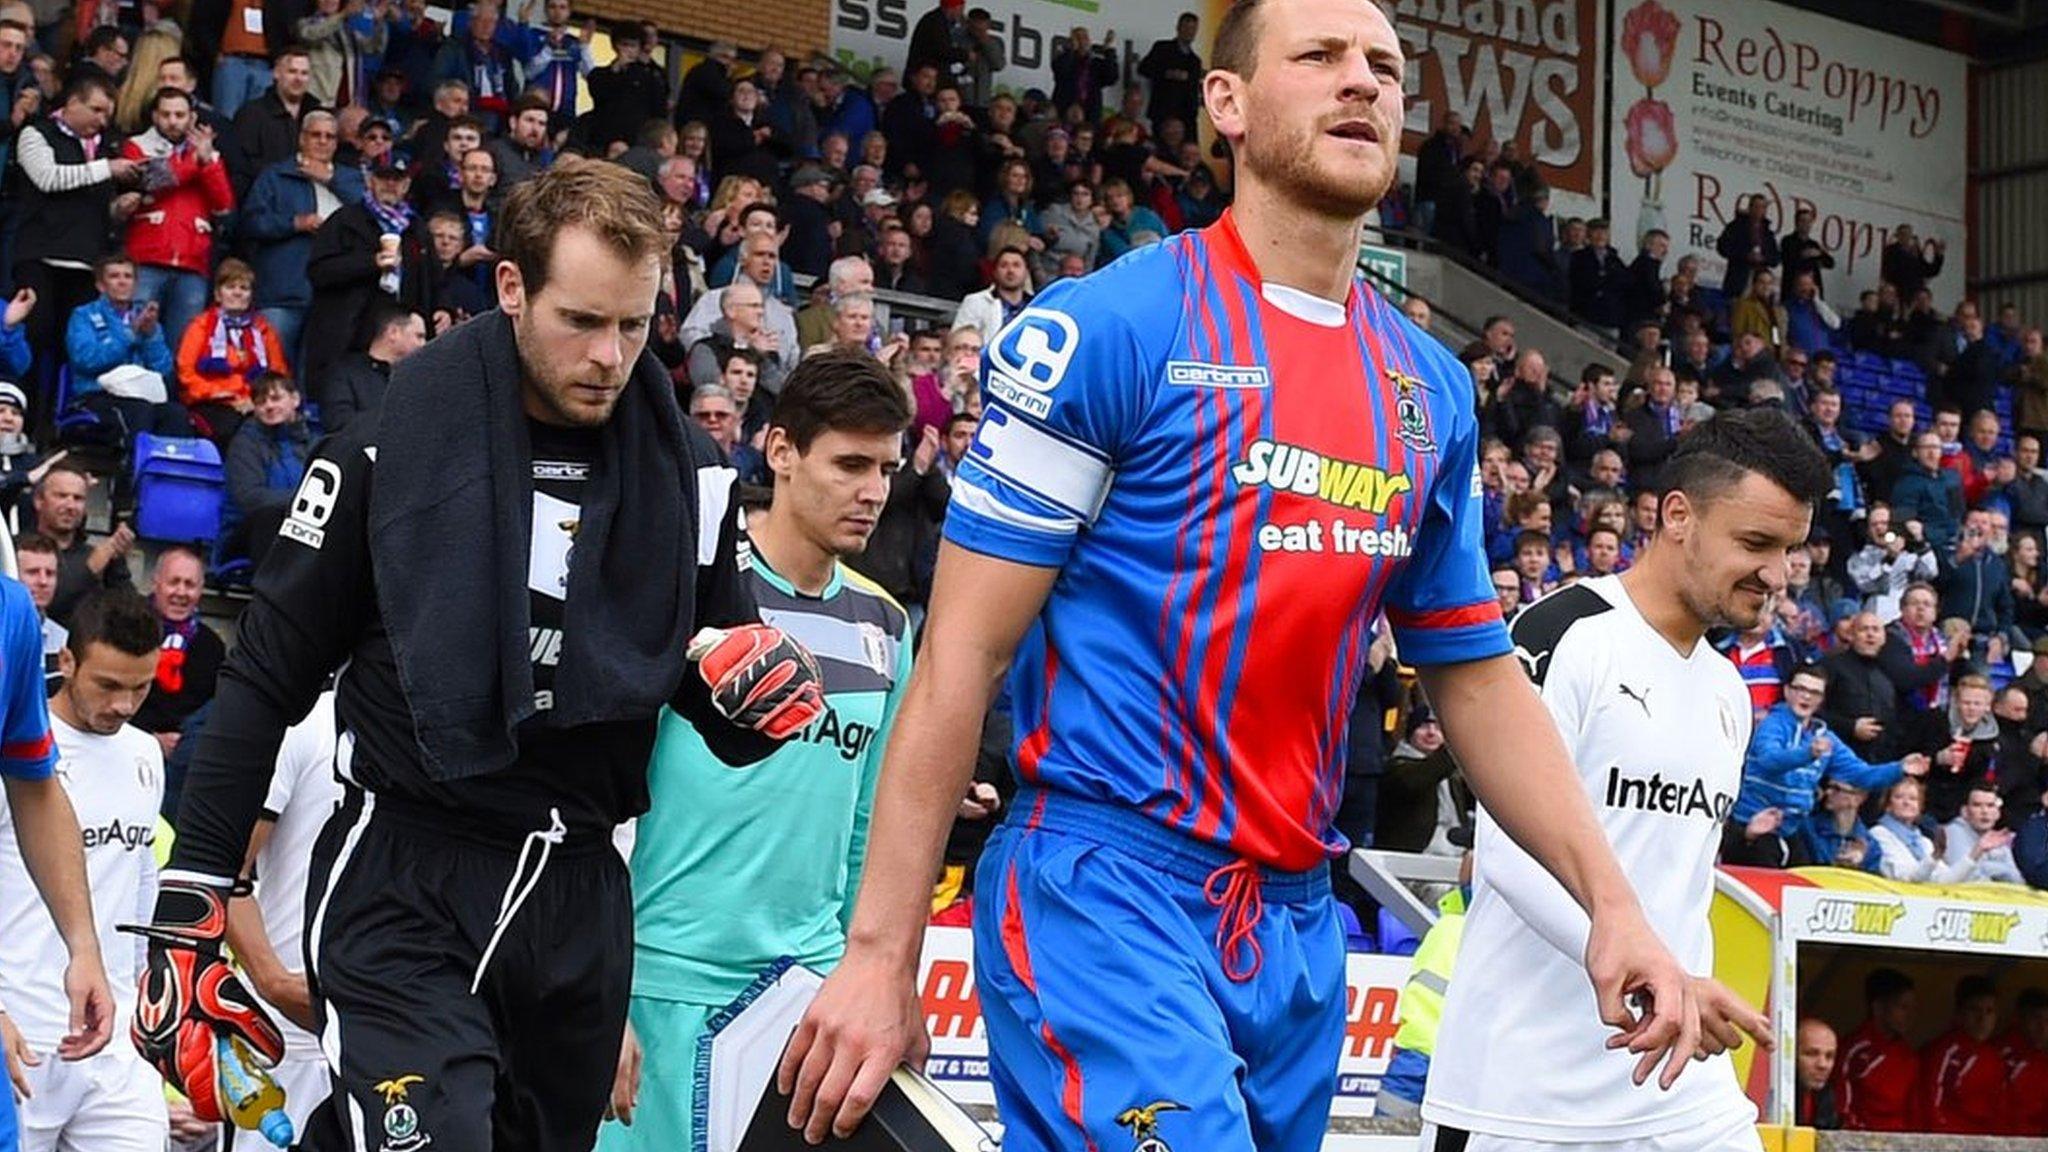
(611, 201)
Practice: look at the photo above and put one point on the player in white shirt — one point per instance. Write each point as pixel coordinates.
(1657, 722)
(267, 932)
(114, 775)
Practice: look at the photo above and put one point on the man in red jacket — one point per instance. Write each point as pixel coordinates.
(1878, 1082)
(2026, 1062)
(1965, 1073)
(170, 218)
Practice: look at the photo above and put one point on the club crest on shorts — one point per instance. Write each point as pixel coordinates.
(1411, 415)
(401, 1122)
(1144, 1124)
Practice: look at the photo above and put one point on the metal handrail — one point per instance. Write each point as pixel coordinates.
(1397, 292)
(1559, 312)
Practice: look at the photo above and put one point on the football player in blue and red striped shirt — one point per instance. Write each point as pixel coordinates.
(1202, 473)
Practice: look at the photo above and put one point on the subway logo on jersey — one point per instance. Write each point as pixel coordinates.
(1344, 483)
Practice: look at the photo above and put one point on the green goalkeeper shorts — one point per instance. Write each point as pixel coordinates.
(662, 1122)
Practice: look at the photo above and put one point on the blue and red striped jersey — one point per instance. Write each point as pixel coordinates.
(27, 751)
(1235, 479)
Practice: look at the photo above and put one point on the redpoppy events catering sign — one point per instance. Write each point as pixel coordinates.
(1718, 99)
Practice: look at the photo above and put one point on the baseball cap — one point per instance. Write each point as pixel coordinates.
(393, 163)
(11, 393)
(380, 122)
(878, 198)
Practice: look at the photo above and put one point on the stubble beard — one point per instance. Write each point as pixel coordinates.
(1289, 164)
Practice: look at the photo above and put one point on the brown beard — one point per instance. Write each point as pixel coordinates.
(1289, 163)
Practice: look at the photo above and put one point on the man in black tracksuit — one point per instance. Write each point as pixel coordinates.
(508, 609)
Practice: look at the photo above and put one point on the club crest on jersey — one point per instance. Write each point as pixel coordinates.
(401, 1121)
(1144, 1124)
(874, 647)
(1410, 413)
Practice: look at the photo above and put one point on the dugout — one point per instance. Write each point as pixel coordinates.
(1800, 942)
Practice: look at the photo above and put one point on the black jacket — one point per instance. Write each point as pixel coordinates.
(165, 709)
(316, 608)
(265, 134)
(1175, 73)
(706, 92)
(69, 225)
(1803, 254)
(1735, 244)
(1599, 285)
(809, 247)
(354, 389)
(897, 555)
(953, 258)
(1857, 688)
(736, 152)
(623, 98)
(1649, 442)
(1642, 291)
(342, 268)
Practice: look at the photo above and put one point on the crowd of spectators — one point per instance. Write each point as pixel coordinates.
(214, 202)
(1901, 713)
(230, 219)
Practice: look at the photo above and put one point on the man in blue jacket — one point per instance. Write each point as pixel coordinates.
(1976, 585)
(1791, 750)
(115, 332)
(2030, 847)
(1931, 494)
(285, 207)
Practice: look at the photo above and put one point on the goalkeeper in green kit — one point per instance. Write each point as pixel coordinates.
(735, 868)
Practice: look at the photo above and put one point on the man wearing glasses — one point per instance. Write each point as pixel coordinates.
(715, 410)
(1790, 753)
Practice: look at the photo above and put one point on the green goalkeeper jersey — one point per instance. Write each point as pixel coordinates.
(736, 867)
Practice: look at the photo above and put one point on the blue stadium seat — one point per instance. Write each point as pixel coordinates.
(180, 485)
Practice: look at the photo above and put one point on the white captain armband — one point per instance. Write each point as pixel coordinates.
(1065, 475)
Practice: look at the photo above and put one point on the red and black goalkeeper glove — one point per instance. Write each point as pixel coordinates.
(760, 678)
(189, 995)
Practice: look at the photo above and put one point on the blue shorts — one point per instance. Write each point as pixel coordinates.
(1101, 939)
(10, 1133)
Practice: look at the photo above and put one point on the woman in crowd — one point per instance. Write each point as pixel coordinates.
(337, 39)
(223, 350)
(2029, 594)
(694, 143)
(131, 108)
(953, 254)
(1907, 852)
(735, 195)
(1013, 201)
(1070, 228)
